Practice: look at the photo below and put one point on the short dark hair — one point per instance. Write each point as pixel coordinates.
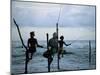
(32, 33)
(61, 37)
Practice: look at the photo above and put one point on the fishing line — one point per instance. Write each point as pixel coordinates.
(59, 14)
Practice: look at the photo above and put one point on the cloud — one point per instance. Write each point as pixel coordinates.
(37, 14)
(73, 15)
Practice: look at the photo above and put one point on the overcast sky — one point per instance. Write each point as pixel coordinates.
(73, 18)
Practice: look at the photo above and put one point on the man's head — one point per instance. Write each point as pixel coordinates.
(55, 35)
(61, 37)
(32, 34)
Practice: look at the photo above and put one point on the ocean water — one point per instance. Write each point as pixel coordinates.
(76, 58)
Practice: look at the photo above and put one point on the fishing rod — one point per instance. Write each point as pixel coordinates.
(59, 15)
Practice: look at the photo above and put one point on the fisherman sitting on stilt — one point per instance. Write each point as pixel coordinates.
(61, 42)
(32, 44)
(52, 48)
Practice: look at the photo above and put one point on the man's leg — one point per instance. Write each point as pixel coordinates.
(31, 55)
(59, 53)
(50, 59)
(62, 52)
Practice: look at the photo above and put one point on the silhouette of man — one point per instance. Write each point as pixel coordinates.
(32, 44)
(61, 42)
(53, 44)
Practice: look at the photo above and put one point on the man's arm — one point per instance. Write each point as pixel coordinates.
(38, 44)
(66, 44)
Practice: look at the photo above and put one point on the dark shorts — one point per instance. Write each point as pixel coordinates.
(60, 50)
(32, 50)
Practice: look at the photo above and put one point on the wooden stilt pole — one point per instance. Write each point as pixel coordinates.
(48, 49)
(57, 38)
(26, 61)
(89, 52)
(57, 48)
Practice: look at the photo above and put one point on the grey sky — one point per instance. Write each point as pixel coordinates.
(76, 22)
(36, 14)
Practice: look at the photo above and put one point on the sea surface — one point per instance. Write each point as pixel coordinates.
(76, 58)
